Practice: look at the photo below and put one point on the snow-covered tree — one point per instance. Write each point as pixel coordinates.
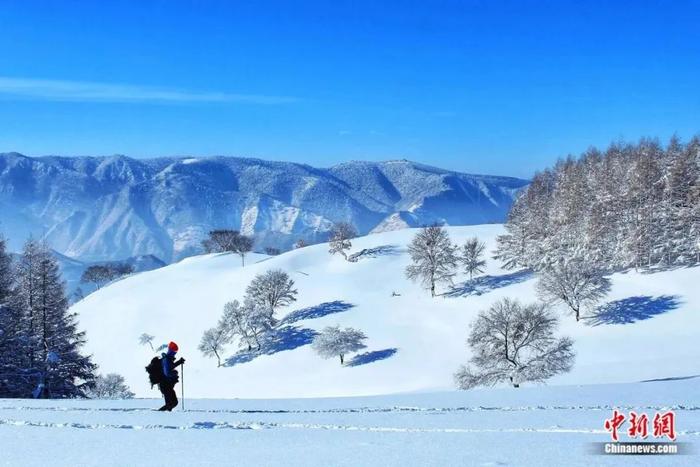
(6, 274)
(110, 386)
(272, 290)
(247, 322)
(633, 205)
(433, 258)
(340, 236)
(147, 339)
(52, 363)
(573, 283)
(335, 342)
(214, 340)
(515, 343)
(472, 257)
(299, 244)
(12, 337)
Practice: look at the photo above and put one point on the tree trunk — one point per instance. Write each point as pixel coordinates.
(342, 359)
(432, 289)
(577, 315)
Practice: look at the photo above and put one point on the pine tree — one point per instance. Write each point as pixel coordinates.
(54, 366)
(636, 205)
(11, 337)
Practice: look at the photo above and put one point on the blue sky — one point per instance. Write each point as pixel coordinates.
(478, 86)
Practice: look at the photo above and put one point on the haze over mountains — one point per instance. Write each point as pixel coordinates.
(117, 207)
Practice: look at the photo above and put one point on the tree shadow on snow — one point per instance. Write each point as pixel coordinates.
(279, 340)
(383, 250)
(633, 309)
(318, 311)
(485, 284)
(670, 378)
(370, 357)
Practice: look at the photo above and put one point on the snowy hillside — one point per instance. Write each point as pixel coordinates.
(117, 207)
(647, 329)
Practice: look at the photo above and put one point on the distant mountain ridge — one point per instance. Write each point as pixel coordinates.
(103, 208)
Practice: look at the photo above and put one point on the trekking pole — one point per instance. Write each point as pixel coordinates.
(182, 388)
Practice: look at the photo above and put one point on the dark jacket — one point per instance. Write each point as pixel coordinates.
(169, 373)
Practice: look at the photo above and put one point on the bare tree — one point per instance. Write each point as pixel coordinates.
(299, 244)
(96, 274)
(573, 283)
(213, 342)
(101, 274)
(472, 253)
(146, 338)
(224, 240)
(244, 246)
(433, 257)
(272, 290)
(515, 343)
(341, 234)
(336, 342)
(220, 241)
(110, 386)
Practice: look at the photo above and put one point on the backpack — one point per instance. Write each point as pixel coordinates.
(155, 371)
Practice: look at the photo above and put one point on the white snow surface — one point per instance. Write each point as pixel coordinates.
(649, 326)
(534, 426)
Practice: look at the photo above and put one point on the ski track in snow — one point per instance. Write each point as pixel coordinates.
(303, 426)
(396, 409)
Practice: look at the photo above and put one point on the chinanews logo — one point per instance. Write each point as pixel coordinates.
(643, 435)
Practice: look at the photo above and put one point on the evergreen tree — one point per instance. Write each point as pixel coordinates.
(11, 336)
(635, 205)
(53, 365)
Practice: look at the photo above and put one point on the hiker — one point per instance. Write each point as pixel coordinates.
(170, 377)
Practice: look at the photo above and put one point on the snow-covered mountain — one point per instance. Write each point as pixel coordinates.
(415, 342)
(110, 208)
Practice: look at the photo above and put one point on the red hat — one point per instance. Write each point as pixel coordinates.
(173, 346)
